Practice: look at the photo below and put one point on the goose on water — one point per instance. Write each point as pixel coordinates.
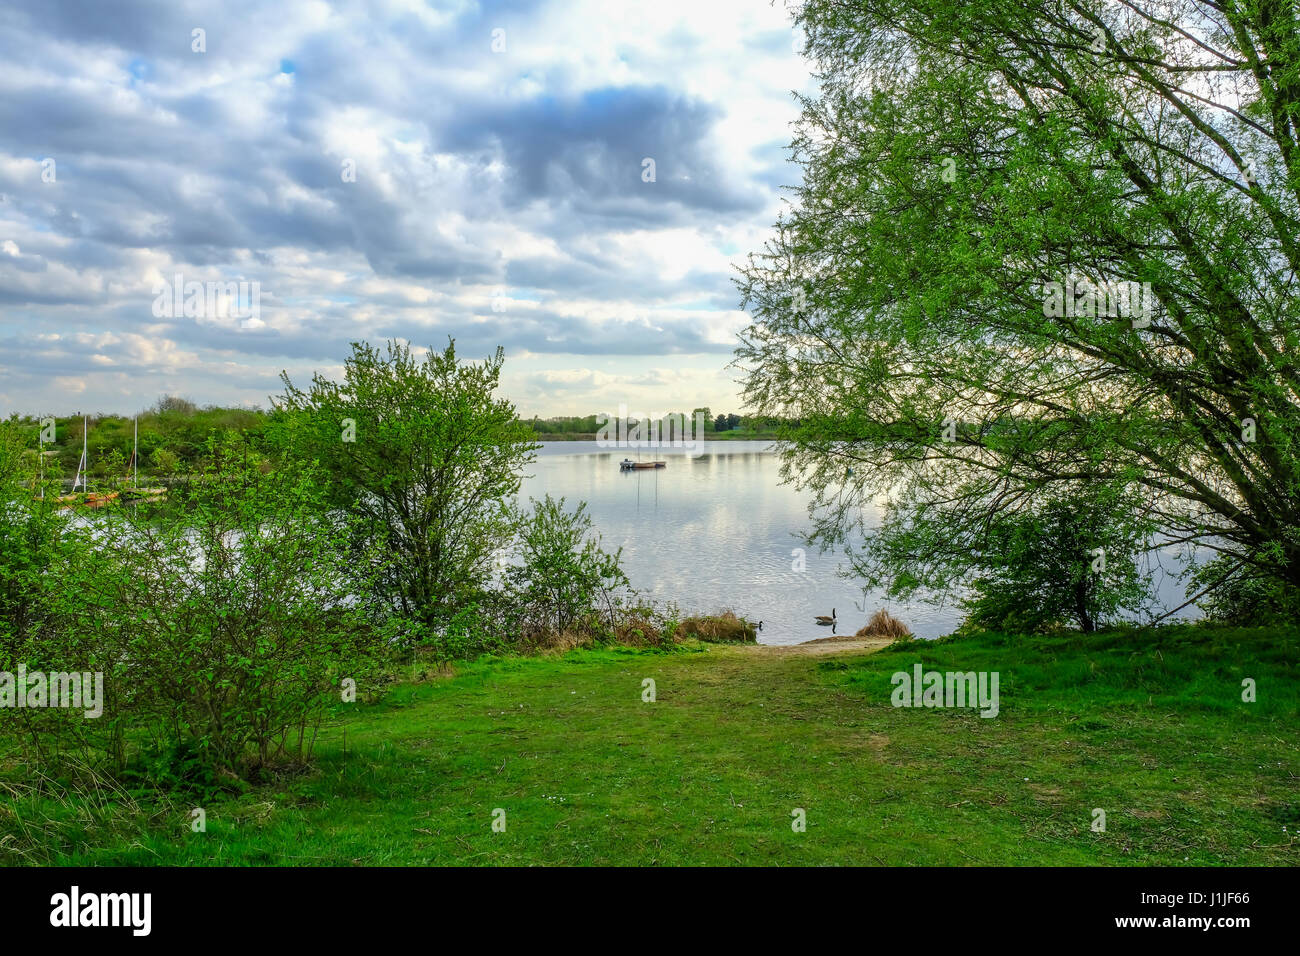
(823, 619)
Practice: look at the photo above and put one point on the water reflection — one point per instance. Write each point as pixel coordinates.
(716, 529)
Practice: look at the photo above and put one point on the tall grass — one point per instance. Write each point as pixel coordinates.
(724, 628)
(884, 624)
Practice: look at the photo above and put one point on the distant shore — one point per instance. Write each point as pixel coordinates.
(591, 436)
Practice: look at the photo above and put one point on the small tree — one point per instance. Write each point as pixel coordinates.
(564, 580)
(427, 459)
(165, 462)
(174, 403)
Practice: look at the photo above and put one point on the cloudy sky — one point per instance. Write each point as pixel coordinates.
(384, 168)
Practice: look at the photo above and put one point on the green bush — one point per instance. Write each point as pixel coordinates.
(41, 552)
(472, 631)
(1243, 597)
(224, 624)
(1068, 563)
(564, 582)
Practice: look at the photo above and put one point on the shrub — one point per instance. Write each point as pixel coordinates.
(639, 625)
(227, 624)
(472, 631)
(41, 550)
(564, 581)
(724, 628)
(884, 624)
(1067, 562)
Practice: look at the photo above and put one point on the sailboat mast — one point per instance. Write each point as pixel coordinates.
(135, 456)
(85, 449)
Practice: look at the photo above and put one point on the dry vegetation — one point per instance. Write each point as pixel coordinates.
(719, 628)
(884, 624)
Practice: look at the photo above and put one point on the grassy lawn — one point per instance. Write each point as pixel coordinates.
(1149, 727)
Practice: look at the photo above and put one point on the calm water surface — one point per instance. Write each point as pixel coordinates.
(715, 530)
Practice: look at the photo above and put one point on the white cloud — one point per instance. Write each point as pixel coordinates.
(475, 172)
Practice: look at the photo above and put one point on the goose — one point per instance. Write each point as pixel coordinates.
(823, 619)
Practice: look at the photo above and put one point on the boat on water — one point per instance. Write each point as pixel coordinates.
(91, 500)
(627, 464)
(142, 494)
(98, 499)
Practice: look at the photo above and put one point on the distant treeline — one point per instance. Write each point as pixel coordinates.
(173, 433)
(730, 424)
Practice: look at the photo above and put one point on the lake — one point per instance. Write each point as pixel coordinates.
(715, 530)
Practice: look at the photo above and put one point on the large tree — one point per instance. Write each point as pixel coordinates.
(426, 456)
(937, 310)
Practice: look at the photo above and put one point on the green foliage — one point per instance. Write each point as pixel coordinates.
(1242, 597)
(224, 626)
(1069, 562)
(425, 458)
(179, 766)
(565, 425)
(39, 551)
(473, 630)
(961, 158)
(165, 461)
(563, 581)
(173, 436)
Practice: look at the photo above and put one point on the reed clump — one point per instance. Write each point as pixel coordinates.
(884, 624)
(724, 628)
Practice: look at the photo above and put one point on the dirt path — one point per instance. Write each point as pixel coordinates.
(821, 646)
